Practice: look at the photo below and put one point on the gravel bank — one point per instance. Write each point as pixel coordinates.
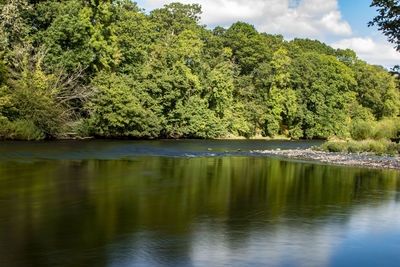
(368, 160)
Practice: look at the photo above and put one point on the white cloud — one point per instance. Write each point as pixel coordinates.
(316, 7)
(275, 245)
(301, 18)
(371, 51)
(332, 22)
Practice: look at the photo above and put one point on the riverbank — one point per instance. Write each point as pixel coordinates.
(365, 159)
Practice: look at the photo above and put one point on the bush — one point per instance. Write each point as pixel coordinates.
(80, 128)
(382, 146)
(378, 146)
(194, 120)
(36, 104)
(393, 148)
(387, 128)
(20, 130)
(334, 146)
(353, 148)
(122, 108)
(384, 129)
(361, 130)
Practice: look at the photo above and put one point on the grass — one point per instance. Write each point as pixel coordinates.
(379, 147)
(368, 136)
(383, 129)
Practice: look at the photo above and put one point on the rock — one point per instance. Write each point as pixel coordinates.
(367, 160)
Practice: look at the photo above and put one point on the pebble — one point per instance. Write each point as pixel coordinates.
(364, 159)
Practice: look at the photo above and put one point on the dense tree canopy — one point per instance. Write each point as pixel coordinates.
(106, 68)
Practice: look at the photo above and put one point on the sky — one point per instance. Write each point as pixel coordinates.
(339, 23)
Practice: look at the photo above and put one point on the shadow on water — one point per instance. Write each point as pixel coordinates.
(153, 210)
(111, 149)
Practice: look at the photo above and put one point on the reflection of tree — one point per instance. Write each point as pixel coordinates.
(75, 209)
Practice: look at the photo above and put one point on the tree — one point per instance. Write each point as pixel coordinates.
(248, 46)
(175, 18)
(82, 34)
(135, 35)
(388, 19)
(3, 70)
(323, 87)
(278, 99)
(13, 22)
(376, 90)
(43, 101)
(163, 74)
(122, 107)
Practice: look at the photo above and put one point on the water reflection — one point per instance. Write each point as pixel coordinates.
(115, 150)
(232, 211)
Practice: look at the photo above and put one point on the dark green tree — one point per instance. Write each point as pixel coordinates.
(323, 88)
(122, 107)
(376, 90)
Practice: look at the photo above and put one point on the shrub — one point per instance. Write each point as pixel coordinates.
(382, 146)
(393, 148)
(387, 128)
(122, 107)
(353, 148)
(20, 130)
(361, 130)
(377, 146)
(334, 146)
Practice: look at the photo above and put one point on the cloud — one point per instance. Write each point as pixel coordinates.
(371, 51)
(292, 18)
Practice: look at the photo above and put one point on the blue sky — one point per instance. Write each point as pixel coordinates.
(339, 23)
(358, 13)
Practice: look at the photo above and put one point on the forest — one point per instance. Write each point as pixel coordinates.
(107, 68)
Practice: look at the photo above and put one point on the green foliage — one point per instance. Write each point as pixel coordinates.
(194, 119)
(361, 130)
(82, 35)
(323, 86)
(280, 100)
(382, 146)
(3, 71)
(237, 121)
(20, 130)
(175, 18)
(311, 46)
(383, 129)
(248, 46)
(218, 88)
(163, 74)
(334, 146)
(134, 31)
(14, 27)
(387, 128)
(121, 107)
(34, 99)
(376, 90)
(46, 101)
(67, 39)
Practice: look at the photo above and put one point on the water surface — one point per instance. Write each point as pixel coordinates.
(191, 203)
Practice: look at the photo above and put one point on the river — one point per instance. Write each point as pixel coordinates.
(191, 203)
